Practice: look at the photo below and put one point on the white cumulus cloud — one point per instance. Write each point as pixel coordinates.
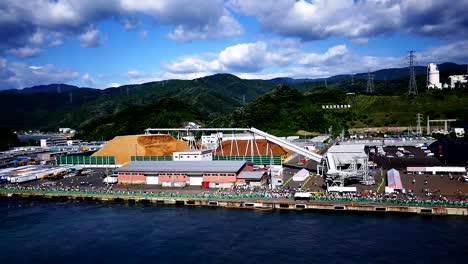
(90, 38)
(88, 79)
(24, 52)
(15, 75)
(31, 24)
(320, 19)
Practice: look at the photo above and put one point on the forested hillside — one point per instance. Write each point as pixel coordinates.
(225, 100)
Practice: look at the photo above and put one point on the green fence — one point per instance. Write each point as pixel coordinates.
(151, 158)
(257, 160)
(86, 160)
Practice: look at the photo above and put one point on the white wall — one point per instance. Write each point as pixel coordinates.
(195, 181)
(152, 180)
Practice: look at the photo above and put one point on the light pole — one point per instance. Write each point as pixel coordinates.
(107, 169)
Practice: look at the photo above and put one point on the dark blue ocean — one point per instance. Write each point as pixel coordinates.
(87, 232)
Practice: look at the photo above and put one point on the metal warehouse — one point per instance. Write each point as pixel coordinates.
(207, 174)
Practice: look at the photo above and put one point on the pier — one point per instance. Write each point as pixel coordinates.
(267, 204)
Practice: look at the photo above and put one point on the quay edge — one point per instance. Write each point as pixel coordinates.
(253, 205)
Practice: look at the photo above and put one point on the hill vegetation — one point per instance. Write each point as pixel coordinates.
(226, 100)
(80, 107)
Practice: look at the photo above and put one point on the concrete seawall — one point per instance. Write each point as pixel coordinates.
(262, 204)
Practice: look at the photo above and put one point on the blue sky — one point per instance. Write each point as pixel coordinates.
(114, 42)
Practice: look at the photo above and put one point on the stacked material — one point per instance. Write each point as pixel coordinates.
(259, 147)
(123, 147)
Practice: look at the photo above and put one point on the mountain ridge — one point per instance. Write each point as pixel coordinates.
(382, 74)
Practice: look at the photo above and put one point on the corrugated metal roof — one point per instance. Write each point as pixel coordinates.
(436, 169)
(195, 151)
(320, 139)
(346, 149)
(251, 175)
(182, 166)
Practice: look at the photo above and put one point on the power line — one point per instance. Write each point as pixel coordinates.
(413, 89)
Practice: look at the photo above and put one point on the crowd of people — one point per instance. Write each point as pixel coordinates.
(253, 192)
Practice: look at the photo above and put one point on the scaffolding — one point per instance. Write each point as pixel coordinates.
(358, 170)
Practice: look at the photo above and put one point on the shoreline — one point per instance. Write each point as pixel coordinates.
(265, 204)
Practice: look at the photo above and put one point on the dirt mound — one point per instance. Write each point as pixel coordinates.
(244, 147)
(123, 147)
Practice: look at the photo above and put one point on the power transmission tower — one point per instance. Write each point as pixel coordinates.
(326, 85)
(419, 119)
(352, 79)
(413, 89)
(70, 97)
(370, 82)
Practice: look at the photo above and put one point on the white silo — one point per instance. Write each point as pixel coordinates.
(433, 81)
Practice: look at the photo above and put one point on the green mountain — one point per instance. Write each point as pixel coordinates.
(80, 107)
(224, 100)
(286, 110)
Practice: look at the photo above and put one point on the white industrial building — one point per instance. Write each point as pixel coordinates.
(457, 79)
(193, 155)
(433, 77)
(53, 141)
(212, 141)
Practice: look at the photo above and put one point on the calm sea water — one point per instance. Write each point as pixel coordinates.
(85, 232)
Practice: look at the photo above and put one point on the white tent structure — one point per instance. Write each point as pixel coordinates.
(301, 175)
